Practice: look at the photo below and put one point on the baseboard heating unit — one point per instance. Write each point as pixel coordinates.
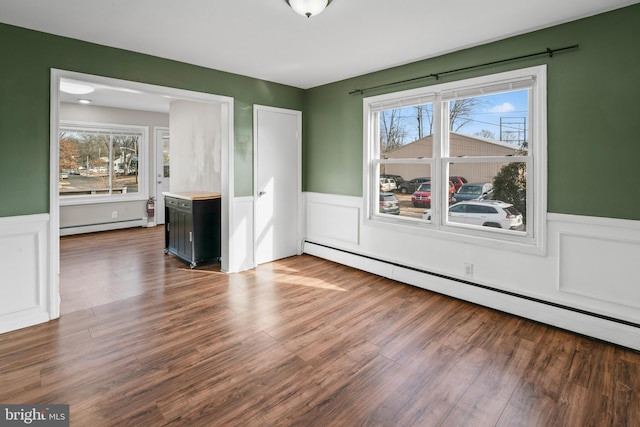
(593, 325)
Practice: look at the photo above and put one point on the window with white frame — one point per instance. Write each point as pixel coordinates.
(101, 162)
(465, 158)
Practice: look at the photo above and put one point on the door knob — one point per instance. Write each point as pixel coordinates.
(261, 193)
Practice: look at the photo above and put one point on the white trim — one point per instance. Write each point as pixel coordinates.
(534, 240)
(594, 220)
(227, 181)
(54, 197)
(158, 132)
(144, 152)
(581, 323)
(241, 235)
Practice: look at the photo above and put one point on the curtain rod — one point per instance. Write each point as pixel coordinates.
(548, 51)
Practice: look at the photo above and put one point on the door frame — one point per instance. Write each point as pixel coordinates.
(298, 114)
(158, 169)
(227, 162)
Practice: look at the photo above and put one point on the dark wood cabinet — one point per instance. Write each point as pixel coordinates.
(192, 226)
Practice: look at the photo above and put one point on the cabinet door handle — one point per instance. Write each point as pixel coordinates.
(190, 237)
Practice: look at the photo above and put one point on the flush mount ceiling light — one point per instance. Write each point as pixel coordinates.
(308, 8)
(84, 101)
(75, 88)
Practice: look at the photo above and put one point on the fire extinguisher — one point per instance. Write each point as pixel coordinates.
(151, 207)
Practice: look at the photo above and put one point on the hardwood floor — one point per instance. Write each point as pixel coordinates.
(145, 341)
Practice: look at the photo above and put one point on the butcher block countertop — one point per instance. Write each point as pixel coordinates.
(193, 195)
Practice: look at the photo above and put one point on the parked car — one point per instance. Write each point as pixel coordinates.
(407, 187)
(389, 204)
(397, 178)
(64, 175)
(458, 181)
(487, 213)
(422, 196)
(475, 191)
(387, 184)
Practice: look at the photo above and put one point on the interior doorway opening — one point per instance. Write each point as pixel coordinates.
(114, 94)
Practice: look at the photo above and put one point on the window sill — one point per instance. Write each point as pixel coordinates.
(468, 235)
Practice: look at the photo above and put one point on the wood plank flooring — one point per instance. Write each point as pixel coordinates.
(145, 341)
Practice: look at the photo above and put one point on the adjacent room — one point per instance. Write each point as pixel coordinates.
(210, 220)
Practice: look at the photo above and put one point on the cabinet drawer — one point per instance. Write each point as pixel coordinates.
(180, 204)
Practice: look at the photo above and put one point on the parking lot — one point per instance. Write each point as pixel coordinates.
(97, 184)
(406, 207)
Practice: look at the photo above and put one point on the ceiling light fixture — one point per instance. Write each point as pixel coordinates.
(308, 8)
(75, 88)
(84, 101)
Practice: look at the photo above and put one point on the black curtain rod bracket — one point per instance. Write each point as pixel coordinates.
(548, 52)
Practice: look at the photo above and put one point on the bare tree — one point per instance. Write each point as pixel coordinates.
(392, 131)
(424, 116)
(484, 133)
(461, 112)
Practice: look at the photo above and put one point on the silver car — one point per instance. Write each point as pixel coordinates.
(389, 204)
(474, 191)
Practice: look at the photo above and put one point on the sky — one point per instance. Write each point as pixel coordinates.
(510, 106)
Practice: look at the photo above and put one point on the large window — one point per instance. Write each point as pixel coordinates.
(101, 162)
(466, 158)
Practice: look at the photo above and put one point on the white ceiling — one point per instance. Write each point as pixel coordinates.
(265, 39)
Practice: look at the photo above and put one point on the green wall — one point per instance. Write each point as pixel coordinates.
(593, 113)
(27, 58)
(593, 110)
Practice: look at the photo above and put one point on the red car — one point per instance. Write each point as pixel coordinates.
(422, 196)
(458, 181)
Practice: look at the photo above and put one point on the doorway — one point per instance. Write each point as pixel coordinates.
(277, 172)
(149, 91)
(162, 170)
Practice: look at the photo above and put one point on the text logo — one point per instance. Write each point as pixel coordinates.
(34, 415)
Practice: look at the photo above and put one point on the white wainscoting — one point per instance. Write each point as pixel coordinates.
(586, 282)
(24, 281)
(333, 219)
(241, 235)
(599, 258)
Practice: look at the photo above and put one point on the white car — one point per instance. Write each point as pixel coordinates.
(486, 213)
(387, 184)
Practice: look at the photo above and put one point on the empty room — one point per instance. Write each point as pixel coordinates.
(312, 212)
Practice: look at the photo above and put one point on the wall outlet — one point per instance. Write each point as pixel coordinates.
(114, 214)
(468, 269)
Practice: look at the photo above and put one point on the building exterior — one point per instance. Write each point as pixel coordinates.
(461, 145)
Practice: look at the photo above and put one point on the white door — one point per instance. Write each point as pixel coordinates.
(277, 182)
(163, 174)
